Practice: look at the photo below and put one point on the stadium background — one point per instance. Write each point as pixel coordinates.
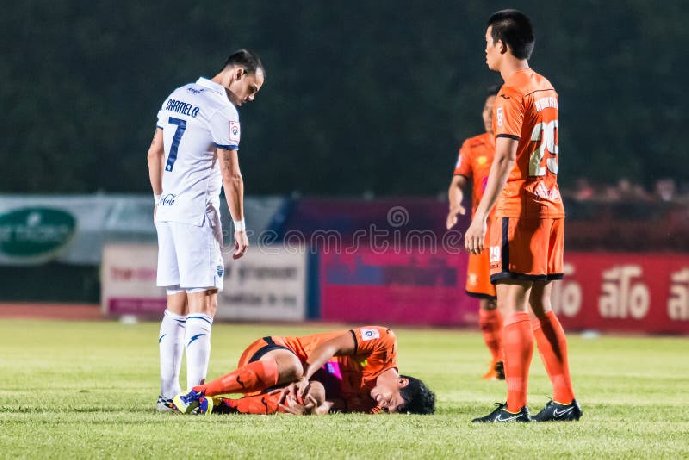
(360, 119)
(347, 155)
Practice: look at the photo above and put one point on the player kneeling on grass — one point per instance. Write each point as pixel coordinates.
(357, 367)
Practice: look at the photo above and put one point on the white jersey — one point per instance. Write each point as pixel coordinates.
(195, 119)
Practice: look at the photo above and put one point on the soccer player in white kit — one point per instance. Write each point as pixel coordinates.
(193, 154)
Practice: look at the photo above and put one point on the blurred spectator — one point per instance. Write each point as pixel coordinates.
(584, 190)
(666, 189)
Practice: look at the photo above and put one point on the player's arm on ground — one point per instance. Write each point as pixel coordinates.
(455, 195)
(233, 184)
(503, 162)
(156, 154)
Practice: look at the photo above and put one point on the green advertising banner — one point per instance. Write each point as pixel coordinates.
(35, 234)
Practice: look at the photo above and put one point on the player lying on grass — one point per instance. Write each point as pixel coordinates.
(357, 367)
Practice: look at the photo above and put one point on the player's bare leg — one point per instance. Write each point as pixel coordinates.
(490, 321)
(171, 344)
(202, 305)
(552, 346)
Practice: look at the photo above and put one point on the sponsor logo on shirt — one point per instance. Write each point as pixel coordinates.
(369, 334)
(499, 116)
(168, 200)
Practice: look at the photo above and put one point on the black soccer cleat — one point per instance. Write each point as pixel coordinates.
(499, 370)
(222, 408)
(555, 412)
(502, 415)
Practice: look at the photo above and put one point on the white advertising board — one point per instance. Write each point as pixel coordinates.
(267, 284)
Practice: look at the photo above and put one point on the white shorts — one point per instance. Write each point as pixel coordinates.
(190, 256)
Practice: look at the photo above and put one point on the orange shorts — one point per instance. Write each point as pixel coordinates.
(260, 347)
(255, 350)
(526, 248)
(478, 277)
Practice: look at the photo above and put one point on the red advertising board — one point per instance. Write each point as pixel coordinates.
(646, 293)
(395, 288)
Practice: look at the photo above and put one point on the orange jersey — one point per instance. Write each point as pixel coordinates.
(526, 109)
(351, 377)
(473, 162)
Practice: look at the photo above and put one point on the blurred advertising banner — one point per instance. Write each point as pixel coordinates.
(128, 280)
(641, 293)
(268, 283)
(73, 229)
(646, 293)
(396, 287)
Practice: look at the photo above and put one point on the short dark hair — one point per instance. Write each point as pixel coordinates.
(418, 398)
(244, 58)
(514, 28)
(492, 90)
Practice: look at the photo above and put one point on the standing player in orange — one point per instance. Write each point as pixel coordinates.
(473, 164)
(358, 368)
(527, 237)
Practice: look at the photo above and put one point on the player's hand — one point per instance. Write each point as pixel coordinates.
(241, 244)
(292, 407)
(289, 403)
(452, 216)
(301, 388)
(475, 235)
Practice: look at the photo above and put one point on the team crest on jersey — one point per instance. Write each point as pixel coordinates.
(220, 270)
(499, 115)
(369, 334)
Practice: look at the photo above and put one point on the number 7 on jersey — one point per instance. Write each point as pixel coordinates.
(176, 138)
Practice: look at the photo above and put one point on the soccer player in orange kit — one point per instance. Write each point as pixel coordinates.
(357, 367)
(473, 164)
(527, 237)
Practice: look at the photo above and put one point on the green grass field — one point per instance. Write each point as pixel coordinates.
(71, 389)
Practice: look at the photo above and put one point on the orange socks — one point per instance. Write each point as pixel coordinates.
(255, 376)
(264, 404)
(552, 345)
(517, 341)
(490, 322)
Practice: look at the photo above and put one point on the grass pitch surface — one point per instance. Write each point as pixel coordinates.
(70, 389)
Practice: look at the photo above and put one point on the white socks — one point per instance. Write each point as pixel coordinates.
(198, 345)
(171, 344)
